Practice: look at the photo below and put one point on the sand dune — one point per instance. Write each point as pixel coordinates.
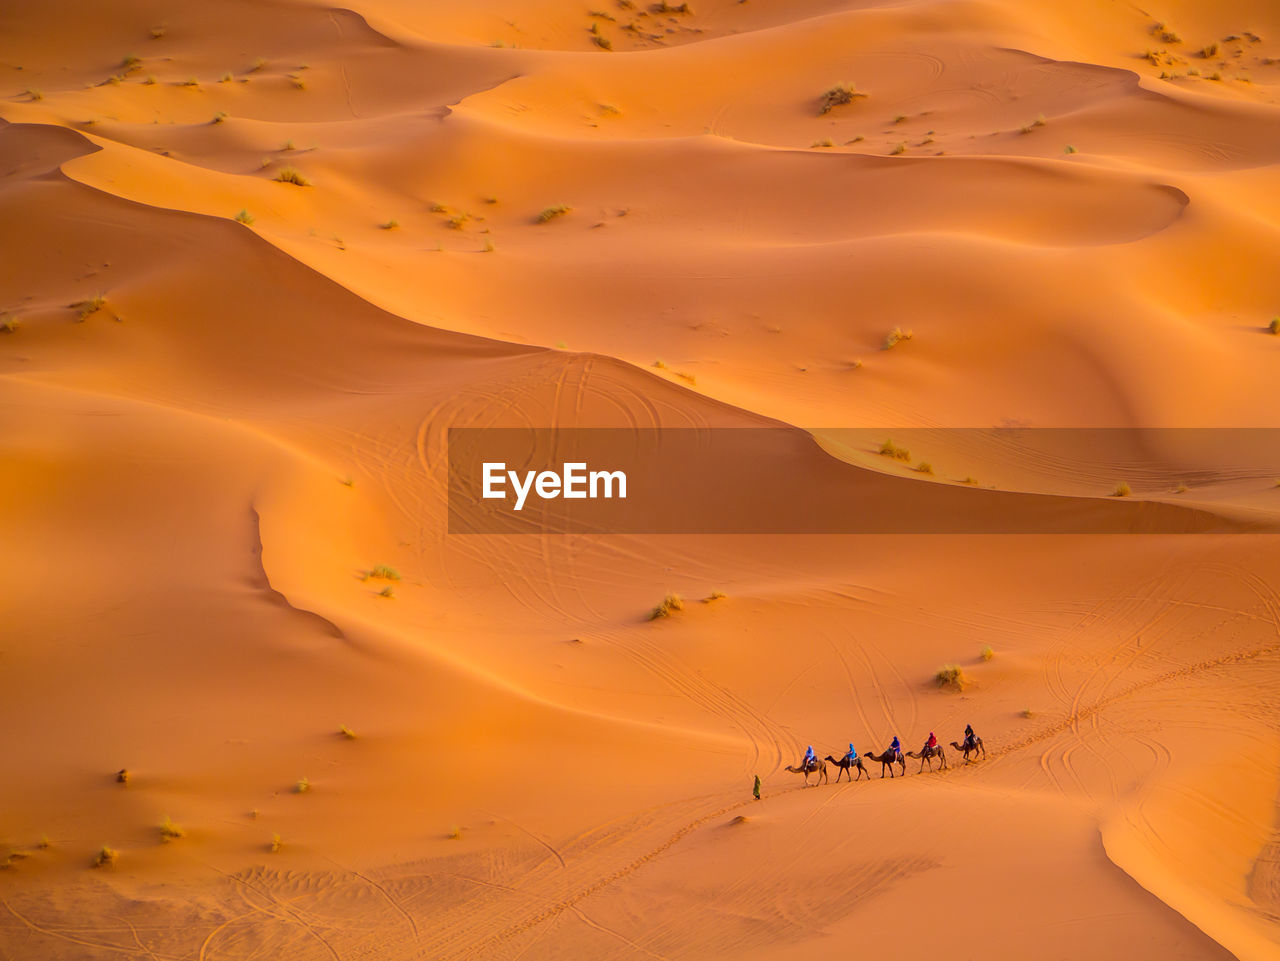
(225, 399)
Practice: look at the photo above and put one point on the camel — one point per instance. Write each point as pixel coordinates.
(845, 763)
(977, 746)
(820, 769)
(927, 753)
(887, 761)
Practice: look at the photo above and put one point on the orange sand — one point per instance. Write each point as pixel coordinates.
(196, 478)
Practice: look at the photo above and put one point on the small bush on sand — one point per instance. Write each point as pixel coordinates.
(951, 676)
(838, 96)
(603, 42)
(890, 449)
(899, 149)
(969, 480)
(244, 217)
(170, 831)
(44, 843)
(714, 596)
(190, 82)
(385, 573)
(105, 857)
(346, 732)
(157, 32)
(1180, 488)
(288, 145)
(986, 653)
(219, 117)
(131, 63)
(924, 467)
(34, 94)
(1069, 149)
(551, 213)
(1274, 326)
(387, 592)
(827, 142)
(1209, 52)
(122, 776)
(1028, 713)
(303, 786)
(1122, 490)
(275, 845)
(291, 175)
(9, 324)
(895, 337)
(455, 833)
(85, 308)
(391, 224)
(670, 604)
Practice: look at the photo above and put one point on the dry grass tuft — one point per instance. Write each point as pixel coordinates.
(346, 732)
(1274, 326)
(951, 676)
(387, 592)
(455, 833)
(9, 324)
(714, 596)
(551, 213)
(670, 604)
(838, 96)
(924, 467)
(391, 224)
(105, 857)
(303, 786)
(86, 308)
(384, 573)
(244, 217)
(895, 337)
(986, 653)
(275, 845)
(170, 831)
(890, 449)
(291, 175)
(1122, 490)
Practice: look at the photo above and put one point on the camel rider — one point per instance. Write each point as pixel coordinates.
(810, 759)
(970, 739)
(932, 743)
(896, 748)
(852, 755)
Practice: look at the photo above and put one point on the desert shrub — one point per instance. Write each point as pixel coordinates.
(85, 308)
(895, 337)
(275, 844)
(986, 653)
(669, 605)
(170, 831)
(219, 117)
(714, 596)
(890, 449)
(604, 43)
(391, 224)
(346, 732)
(9, 324)
(291, 175)
(455, 833)
(1069, 149)
(1274, 326)
(244, 217)
(105, 857)
(551, 213)
(924, 467)
(303, 786)
(826, 142)
(838, 96)
(951, 676)
(387, 592)
(1122, 490)
(385, 573)
(899, 149)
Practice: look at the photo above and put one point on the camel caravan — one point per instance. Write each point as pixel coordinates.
(819, 767)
